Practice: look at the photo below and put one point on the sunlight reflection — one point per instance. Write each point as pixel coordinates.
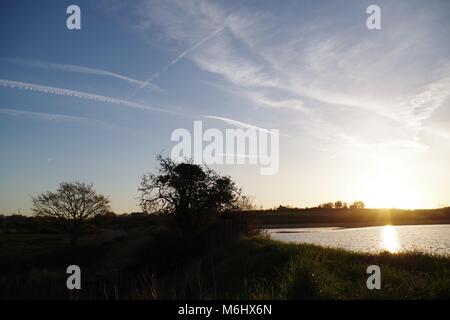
(389, 239)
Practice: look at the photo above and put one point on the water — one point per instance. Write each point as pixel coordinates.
(426, 238)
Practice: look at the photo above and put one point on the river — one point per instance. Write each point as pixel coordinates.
(425, 238)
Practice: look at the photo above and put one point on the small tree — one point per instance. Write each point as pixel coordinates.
(246, 203)
(338, 205)
(327, 205)
(357, 205)
(74, 204)
(189, 191)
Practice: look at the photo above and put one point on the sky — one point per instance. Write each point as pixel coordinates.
(362, 114)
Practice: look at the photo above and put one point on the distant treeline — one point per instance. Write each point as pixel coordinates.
(327, 205)
(282, 216)
(331, 217)
(34, 224)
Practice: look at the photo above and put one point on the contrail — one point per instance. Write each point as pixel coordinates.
(241, 125)
(81, 69)
(83, 95)
(126, 103)
(62, 118)
(178, 58)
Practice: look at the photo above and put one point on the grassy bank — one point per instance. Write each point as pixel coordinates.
(260, 268)
(151, 263)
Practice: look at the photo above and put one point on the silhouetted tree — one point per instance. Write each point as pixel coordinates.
(246, 203)
(328, 205)
(357, 205)
(73, 204)
(188, 190)
(338, 205)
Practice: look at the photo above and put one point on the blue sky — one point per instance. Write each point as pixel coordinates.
(364, 114)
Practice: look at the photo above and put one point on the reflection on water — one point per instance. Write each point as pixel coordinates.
(425, 238)
(389, 239)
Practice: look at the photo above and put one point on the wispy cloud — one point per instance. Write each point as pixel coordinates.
(57, 118)
(429, 98)
(313, 63)
(82, 69)
(262, 100)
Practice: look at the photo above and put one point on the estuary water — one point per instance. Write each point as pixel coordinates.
(426, 238)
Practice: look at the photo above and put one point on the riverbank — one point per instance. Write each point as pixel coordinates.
(261, 268)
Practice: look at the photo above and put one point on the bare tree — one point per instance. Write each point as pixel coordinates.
(74, 204)
(246, 203)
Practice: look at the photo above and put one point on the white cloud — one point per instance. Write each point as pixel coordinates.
(263, 100)
(429, 98)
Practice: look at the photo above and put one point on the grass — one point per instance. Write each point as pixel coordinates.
(151, 263)
(260, 268)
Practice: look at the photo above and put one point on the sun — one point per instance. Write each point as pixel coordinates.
(388, 191)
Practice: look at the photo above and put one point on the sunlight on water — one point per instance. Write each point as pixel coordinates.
(389, 239)
(425, 238)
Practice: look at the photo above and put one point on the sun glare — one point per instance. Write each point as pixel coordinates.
(389, 239)
(390, 192)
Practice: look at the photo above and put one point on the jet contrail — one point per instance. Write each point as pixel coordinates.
(62, 118)
(83, 95)
(81, 69)
(241, 125)
(178, 58)
(126, 103)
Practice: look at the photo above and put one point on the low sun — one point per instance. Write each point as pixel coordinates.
(389, 192)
